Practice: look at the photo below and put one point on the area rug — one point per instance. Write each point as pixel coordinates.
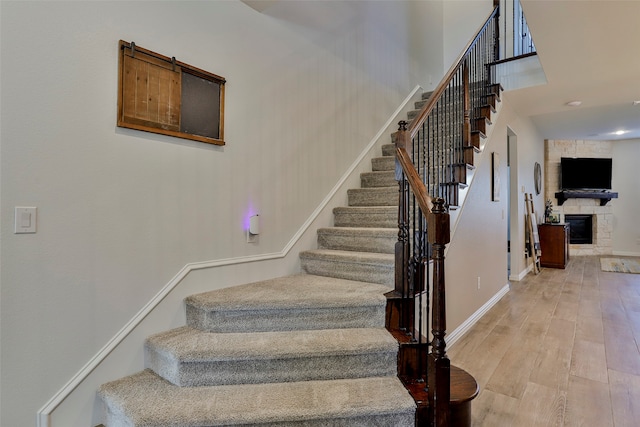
(620, 265)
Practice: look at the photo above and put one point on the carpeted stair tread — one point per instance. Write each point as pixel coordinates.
(389, 150)
(384, 163)
(351, 265)
(190, 357)
(295, 291)
(378, 179)
(366, 216)
(376, 196)
(363, 257)
(301, 301)
(369, 239)
(145, 399)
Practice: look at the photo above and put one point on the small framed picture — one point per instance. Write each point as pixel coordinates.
(495, 177)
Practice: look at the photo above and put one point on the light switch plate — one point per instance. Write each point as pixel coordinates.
(252, 238)
(25, 220)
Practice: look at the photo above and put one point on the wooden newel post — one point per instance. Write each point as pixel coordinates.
(439, 364)
(401, 139)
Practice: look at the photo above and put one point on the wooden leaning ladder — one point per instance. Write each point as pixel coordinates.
(533, 240)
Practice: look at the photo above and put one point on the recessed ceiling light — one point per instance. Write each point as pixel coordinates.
(620, 132)
(574, 103)
(636, 102)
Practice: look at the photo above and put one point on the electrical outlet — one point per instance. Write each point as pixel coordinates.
(478, 282)
(252, 238)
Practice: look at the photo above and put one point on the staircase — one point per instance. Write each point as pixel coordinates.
(344, 343)
(308, 349)
(361, 246)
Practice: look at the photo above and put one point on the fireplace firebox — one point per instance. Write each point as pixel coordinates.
(580, 229)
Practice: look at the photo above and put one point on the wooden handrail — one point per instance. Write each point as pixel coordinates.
(439, 90)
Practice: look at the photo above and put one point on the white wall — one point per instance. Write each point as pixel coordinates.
(626, 208)
(479, 249)
(479, 246)
(530, 150)
(120, 212)
(426, 38)
(462, 19)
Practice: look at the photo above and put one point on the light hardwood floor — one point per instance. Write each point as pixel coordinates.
(561, 348)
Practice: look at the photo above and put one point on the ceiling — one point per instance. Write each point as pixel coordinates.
(590, 52)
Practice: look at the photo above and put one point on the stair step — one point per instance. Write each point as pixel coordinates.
(366, 216)
(145, 399)
(384, 163)
(486, 111)
(190, 357)
(477, 138)
(366, 239)
(389, 150)
(460, 172)
(469, 153)
(453, 192)
(351, 265)
(493, 99)
(378, 179)
(297, 302)
(481, 124)
(377, 196)
(496, 89)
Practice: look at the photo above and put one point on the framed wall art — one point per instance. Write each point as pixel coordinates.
(162, 95)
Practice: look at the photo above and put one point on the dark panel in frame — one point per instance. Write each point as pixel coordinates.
(200, 113)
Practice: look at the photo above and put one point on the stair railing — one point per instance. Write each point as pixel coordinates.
(522, 40)
(432, 154)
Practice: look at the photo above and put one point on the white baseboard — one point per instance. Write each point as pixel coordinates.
(473, 319)
(518, 277)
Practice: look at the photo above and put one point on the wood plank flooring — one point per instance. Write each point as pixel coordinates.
(559, 349)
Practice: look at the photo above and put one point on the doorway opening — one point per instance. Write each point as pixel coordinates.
(512, 195)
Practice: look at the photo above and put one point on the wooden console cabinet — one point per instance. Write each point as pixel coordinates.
(554, 245)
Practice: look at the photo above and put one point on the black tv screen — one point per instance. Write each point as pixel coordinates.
(585, 173)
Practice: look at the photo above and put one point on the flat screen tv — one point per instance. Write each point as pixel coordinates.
(578, 173)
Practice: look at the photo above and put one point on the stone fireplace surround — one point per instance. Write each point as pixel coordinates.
(602, 218)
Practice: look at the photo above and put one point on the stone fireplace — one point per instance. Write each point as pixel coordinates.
(600, 216)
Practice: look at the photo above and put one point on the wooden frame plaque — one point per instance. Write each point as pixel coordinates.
(161, 95)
